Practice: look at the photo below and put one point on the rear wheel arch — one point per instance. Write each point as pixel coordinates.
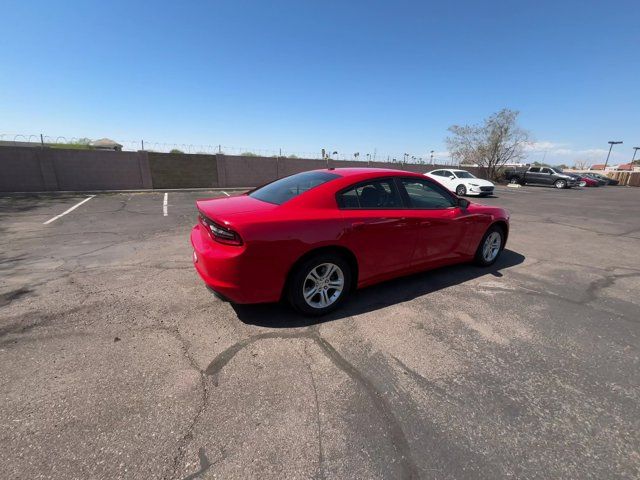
(344, 252)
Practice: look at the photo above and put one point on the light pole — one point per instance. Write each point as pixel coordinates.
(635, 150)
(612, 143)
(431, 157)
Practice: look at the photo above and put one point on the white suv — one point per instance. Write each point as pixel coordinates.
(462, 182)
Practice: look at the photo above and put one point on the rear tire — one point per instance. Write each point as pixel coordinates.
(320, 284)
(461, 190)
(490, 246)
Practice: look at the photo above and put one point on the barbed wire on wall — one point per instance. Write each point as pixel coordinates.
(164, 147)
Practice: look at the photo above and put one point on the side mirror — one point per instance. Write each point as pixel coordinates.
(452, 177)
(463, 203)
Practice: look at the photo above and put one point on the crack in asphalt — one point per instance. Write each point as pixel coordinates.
(427, 384)
(205, 465)
(182, 444)
(318, 420)
(394, 429)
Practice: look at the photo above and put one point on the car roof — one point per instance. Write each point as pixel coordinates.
(318, 196)
(373, 172)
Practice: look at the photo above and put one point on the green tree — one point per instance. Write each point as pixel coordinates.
(175, 150)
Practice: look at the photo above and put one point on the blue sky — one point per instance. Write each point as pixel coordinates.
(345, 75)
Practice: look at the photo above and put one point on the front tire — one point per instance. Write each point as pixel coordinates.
(319, 284)
(461, 190)
(490, 246)
(560, 184)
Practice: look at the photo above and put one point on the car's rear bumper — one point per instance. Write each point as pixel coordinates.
(230, 272)
(217, 265)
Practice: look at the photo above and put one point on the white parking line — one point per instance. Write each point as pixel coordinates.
(69, 210)
(226, 193)
(165, 205)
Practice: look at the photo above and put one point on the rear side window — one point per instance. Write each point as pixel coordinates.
(371, 195)
(287, 188)
(425, 195)
(534, 169)
(438, 173)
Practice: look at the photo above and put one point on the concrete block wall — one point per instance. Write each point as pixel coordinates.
(34, 169)
(179, 170)
(240, 171)
(96, 170)
(21, 170)
(31, 169)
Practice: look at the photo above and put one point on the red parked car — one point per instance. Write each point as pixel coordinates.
(585, 181)
(313, 237)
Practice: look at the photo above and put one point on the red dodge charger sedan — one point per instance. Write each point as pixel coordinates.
(313, 237)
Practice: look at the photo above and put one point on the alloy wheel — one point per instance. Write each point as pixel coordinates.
(491, 246)
(323, 285)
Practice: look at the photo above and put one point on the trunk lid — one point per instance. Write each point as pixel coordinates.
(223, 209)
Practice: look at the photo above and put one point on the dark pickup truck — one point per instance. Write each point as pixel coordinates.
(541, 176)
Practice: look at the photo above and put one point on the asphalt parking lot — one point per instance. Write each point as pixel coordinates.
(117, 362)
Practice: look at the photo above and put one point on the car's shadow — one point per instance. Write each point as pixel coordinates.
(280, 315)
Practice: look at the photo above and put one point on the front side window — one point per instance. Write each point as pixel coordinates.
(425, 195)
(546, 170)
(287, 188)
(378, 194)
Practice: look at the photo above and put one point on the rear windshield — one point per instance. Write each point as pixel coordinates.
(287, 188)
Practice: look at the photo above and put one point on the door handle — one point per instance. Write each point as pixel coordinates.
(357, 225)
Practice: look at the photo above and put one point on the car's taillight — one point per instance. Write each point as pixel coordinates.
(219, 233)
